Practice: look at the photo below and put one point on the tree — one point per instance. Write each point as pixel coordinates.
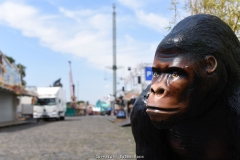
(10, 59)
(227, 10)
(21, 68)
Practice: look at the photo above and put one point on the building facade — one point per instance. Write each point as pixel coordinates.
(10, 88)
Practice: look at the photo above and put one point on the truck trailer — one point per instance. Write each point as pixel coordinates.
(25, 107)
(51, 103)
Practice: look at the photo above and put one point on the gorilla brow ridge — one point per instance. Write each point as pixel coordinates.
(207, 35)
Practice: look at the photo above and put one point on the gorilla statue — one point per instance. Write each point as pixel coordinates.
(191, 109)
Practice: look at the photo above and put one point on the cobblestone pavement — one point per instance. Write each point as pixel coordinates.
(76, 138)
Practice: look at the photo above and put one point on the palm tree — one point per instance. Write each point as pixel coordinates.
(10, 59)
(22, 69)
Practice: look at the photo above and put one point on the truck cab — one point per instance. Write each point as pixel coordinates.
(51, 103)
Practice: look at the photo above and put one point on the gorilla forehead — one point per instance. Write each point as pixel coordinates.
(200, 33)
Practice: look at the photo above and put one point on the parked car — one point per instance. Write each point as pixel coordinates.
(121, 113)
(106, 111)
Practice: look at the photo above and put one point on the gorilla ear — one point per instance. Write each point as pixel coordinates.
(211, 64)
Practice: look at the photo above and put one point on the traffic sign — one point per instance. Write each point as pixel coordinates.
(148, 73)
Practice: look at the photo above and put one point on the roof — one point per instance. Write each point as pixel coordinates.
(29, 93)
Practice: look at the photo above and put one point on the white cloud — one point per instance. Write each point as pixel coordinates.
(86, 34)
(149, 19)
(152, 20)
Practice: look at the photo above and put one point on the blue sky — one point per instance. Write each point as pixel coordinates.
(44, 35)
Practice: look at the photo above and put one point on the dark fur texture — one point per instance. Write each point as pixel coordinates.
(200, 35)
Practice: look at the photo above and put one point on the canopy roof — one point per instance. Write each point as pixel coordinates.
(130, 95)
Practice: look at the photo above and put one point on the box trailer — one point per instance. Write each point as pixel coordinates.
(26, 106)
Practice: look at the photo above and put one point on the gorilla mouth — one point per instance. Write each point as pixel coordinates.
(162, 109)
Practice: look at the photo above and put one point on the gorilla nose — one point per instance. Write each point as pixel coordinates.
(159, 91)
(157, 95)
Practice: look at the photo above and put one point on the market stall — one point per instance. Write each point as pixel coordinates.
(10, 89)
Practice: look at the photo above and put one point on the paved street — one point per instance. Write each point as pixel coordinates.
(78, 138)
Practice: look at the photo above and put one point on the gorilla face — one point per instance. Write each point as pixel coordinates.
(173, 85)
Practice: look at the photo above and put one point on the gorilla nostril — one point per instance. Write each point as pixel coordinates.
(158, 91)
(161, 91)
(152, 91)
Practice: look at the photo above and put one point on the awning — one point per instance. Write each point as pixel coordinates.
(17, 90)
(28, 93)
(6, 89)
(130, 94)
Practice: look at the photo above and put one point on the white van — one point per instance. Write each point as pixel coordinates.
(51, 103)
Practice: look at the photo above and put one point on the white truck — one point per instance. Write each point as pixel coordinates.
(25, 107)
(51, 103)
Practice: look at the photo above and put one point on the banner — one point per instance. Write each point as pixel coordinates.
(9, 74)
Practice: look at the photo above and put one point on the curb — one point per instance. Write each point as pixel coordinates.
(12, 123)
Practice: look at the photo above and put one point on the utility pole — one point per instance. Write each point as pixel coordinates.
(114, 67)
(77, 91)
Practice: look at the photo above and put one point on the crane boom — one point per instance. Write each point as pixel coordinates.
(72, 92)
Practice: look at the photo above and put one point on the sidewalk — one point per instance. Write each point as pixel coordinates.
(120, 121)
(12, 123)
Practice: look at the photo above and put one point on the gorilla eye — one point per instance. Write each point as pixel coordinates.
(174, 75)
(155, 75)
